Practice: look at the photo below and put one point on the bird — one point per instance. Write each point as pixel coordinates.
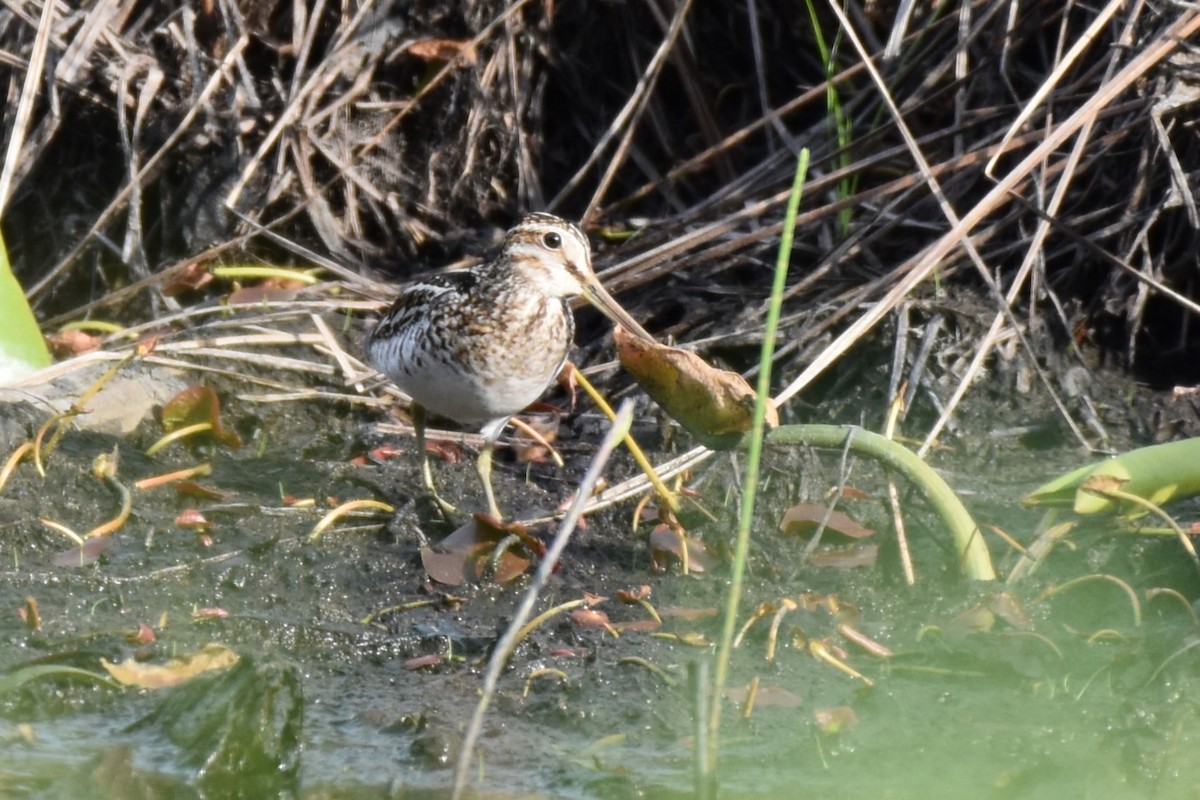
(478, 346)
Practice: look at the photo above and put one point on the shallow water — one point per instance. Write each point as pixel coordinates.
(1086, 702)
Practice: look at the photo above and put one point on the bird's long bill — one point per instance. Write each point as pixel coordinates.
(595, 294)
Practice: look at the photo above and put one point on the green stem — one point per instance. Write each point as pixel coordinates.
(754, 456)
(968, 542)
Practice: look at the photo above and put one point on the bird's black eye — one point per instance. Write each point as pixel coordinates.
(552, 240)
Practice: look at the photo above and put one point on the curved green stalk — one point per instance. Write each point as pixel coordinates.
(976, 561)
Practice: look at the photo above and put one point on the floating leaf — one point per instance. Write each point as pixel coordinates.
(716, 405)
(765, 697)
(1008, 608)
(467, 554)
(638, 626)
(209, 658)
(803, 519)
(688, 613)
(667, 547)
(846, 557)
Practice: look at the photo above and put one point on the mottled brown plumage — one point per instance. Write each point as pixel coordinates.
(481, 345)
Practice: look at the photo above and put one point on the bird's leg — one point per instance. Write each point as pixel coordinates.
(418, 420)
(483, 465)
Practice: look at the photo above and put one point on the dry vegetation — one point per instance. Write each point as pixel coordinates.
(387, 136)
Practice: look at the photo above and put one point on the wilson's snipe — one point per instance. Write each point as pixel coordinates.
(478, 346)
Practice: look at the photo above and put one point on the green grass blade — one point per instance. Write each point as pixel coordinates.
(754, 456)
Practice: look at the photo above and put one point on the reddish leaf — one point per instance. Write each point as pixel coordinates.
(846, 557)
(143, 635)
(449, 452)
(804, 518)
(632, 596)
(199, 491)
(442, 50)
(421, 662)
(465, 555)
(72, 343)
(385, 452)
(854, 493)
(192, 518)
(638, 626)
(590, 618)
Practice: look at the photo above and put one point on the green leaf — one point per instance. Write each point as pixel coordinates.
(22, 348)
(1159, 473)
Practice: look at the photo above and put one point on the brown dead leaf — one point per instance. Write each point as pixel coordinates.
(715, 405)
(72, 343)
(591, 618)
(803, 519)
(176, 671)
(638, 626)
(29, 614)
(846, 557)
(442, 50)
(666, 547)
(198, 404)
(192, 518)
(186, 278)
(631, 596)
(465, 555)
(687, 613)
